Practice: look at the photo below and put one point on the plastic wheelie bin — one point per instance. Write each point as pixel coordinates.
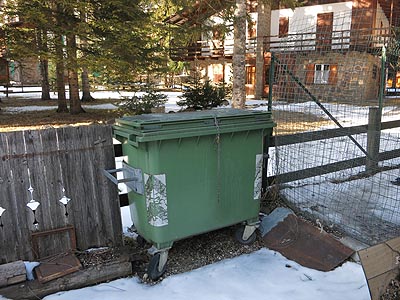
(191, 173)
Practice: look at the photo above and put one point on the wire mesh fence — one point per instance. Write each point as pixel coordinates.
(337, 138)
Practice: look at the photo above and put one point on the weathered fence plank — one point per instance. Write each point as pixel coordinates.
(53, 160)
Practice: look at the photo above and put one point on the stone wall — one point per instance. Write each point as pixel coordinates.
(356, 79)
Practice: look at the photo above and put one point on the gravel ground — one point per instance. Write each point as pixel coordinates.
(392, 291)
(193, 252)
(185, 255)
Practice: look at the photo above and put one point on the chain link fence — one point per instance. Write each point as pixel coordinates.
(334, 97)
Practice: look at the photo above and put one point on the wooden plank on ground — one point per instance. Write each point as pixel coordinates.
(381, 265)
(82, 278)
(12, 273)
(58, 266)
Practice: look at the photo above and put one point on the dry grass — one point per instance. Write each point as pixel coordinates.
(42, 119)
(288, 122)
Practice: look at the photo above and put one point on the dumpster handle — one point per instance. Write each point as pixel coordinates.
(134, 178)
(108, 173)
(131, 138)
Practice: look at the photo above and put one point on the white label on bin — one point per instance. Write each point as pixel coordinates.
(258, 177)
(156, 199)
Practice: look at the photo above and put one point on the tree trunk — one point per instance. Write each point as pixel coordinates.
(62, 100)
(86, 97)
(44, 65)
(239, 55)
(263, 30)
(44, 72)
(75, 102)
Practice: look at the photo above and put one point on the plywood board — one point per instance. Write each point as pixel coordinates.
(381, 265)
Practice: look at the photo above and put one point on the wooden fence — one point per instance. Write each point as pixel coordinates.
(44, 167)
(374, 155)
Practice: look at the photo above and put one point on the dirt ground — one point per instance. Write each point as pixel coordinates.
(192, 253)
(42, 119)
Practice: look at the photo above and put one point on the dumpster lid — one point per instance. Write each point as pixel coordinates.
(160, 122)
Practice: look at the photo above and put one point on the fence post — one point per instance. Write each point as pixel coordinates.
(373, 139)
(271, 81)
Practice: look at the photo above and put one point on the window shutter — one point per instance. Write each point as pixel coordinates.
(310, 73)
(333, 78)
(283, 26)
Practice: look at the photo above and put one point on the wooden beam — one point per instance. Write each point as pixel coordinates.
(12, 273)
(329, 168)
(326, 134)
(93, 275)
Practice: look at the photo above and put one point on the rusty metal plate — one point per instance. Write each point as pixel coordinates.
(306, 245)
(57, 266)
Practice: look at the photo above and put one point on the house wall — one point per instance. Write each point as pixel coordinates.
(213, 70)
(27, 72)
(381, 18)
(3, 71)
(304, 20)
(356, 81)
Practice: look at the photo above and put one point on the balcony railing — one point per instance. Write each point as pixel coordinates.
(359, 40)
(208, 50)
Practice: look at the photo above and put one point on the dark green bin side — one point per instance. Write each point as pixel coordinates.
(209, 168)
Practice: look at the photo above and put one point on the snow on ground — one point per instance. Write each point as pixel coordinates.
(264, 274)
(170, 105)
(376, 195)
(53, 107)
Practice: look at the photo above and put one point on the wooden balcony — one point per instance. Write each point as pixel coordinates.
(365, 40)
(203, 50)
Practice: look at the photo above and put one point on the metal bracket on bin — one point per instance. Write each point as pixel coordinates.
(132, 177)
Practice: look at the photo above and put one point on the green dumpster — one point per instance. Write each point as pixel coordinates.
(193, 172)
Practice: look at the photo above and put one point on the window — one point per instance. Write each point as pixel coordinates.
(283, 26)
(324, 31)
(252, 30)
(374, 71)
(250, 74)
(218, 75)
(321, 74)
(266, 79)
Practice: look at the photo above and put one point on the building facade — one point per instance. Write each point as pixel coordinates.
(23, 72)
(332, 47)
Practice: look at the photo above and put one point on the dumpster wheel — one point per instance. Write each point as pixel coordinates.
(246, 234)
(157, 265)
